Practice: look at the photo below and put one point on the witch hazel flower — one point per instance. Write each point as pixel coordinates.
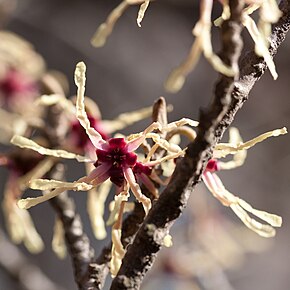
(240, 207)
(78, 141)
(19, 224)
(116, 157)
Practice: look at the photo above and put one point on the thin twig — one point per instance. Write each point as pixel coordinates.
(149, 239)
(77, 241)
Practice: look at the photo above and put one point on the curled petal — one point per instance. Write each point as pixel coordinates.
(259, 228)
(30, 202)
(129, 176)
(224, 149)
(240, 207)
(201, 44)
(58, 240)
(165, 158)
(260, 47)
(23, 142)
(18, 221)
(48, 184)
(50, 100)
(132, 145)
(272, 219)
(122, 196)
(105, 29)
(118, 252)
(184, 121)
(126, 119)
(168, 146)
(96, 208)
(239, 158)
(142, 11)
(80, 81)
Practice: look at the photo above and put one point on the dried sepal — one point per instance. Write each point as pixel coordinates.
(80, 81)
(24, 142)
(224, 149)
(58, 240)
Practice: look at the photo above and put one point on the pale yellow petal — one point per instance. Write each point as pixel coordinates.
(239, 157)
(30, 202)
(50, 100)
(260, 47)
(80, 81)
(96, 208)
(37, 172)
(224, 149)
(261, 229)
(272, 219)
(23, 142)
(58, 240)
(141, 12)
(126, 119)
(48, 184)
(105, 29)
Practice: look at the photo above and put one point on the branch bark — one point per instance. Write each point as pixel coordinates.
(149, 239)
(78, 244)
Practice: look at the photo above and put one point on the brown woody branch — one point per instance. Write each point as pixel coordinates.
(77, 241)
(149, 239)
(143, 251)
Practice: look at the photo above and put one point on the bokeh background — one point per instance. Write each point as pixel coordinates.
(127, 74)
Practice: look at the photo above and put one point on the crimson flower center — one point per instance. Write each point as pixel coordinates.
(117, 156)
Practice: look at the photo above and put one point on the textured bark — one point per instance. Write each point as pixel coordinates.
(77, 241)
(149, 239)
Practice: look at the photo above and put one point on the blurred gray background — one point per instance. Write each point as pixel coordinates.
(128, 73)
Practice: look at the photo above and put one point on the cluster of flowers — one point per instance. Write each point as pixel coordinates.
(269, 13)
(111, 159)
(116, 159)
